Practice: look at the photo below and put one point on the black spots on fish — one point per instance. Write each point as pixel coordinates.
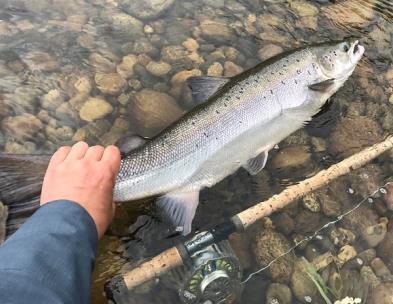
(247, 82)
(225, 104)
(162, 145)
(295, 81)
(271, 92)
(284, 66)
(314, 65)
(240, 122)
(298, 72)
(238, 97)
(272, 73)
(196, 145)
(193, 123)
(218, 112)
(264, 97)
(308, 71)
(256, 80)
(297, 60)
(287, 60)
(280, 73)
(282, 82)
(204, 133)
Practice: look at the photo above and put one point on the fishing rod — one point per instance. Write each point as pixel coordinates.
(209, 267)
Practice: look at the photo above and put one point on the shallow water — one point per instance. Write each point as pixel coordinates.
(54, 53)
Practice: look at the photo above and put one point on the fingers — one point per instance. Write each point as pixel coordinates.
(78, 151)
(112, 157)
(94, 153)
(59, 155)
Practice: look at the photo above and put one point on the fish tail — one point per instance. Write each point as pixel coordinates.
(21, 179)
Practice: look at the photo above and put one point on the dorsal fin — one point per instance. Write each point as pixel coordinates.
(203, 87)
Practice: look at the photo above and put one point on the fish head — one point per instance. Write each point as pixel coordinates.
(338, 60)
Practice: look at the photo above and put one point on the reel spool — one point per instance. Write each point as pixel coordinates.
(211, 275)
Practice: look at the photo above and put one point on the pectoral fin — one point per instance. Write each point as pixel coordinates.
(256, 164)
(206, 86)
(129, 143)
(179, 209)
(323, 86)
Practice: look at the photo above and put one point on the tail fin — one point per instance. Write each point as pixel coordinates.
(21, 179)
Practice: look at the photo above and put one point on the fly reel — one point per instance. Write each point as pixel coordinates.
(211, 275)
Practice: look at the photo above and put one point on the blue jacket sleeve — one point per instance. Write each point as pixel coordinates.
(50, 259)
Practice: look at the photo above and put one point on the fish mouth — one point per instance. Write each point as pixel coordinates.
(356, 51)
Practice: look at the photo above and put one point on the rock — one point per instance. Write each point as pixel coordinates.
(78, 100)
(125, 24)
(23, 127)
(14, 147)
(348, 14)
(375, 234)
(291, 157)
(3, 221)
(174, 54)
(231, 69)
(191, 45)
(369, 276)
(135, 84)
(284, 222)
(341, 237)
(278, 293)
(181, 77)
(103, 64)
(40, 60)
(52, 100)
(153, 111)
(269, 245)
(126, 68)
(388, 196)
(269, 50)
(309, 22)
(158, 69)
(67, 115)
(146, 9)
(59, 135)
(95, 108)
(144, 46)
(83, 85)
(382, 294)
(323, 261)
(380, 269)
(215, 31)
(367, 255)
(385, 248)
(240, 244)
(346, 253)
(112, 83)
(119, 128)
(303, 9)
(311, 202)
(307, 222)
(301, 284)
(215, 69)
(330, 207)
(231, 53)
(352, 134)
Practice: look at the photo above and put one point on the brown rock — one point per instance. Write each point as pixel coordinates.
(385, 248)
(301, 284)
(40, 60)
(268, 51)
(291, 157)
(158, 69)
(388, 196)
(153, 111)
(382, 294)
(126, 67)
(174, 54)
(215, 69)
(352, 134)
(112, 83)
(269, 245)
(191, 45)
(216, 31)
(231, 69)
(95, 108)
(23, 127)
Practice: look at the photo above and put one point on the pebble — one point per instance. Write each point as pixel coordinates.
(382, 294)
(126, 68)
(369, 276)
(231, 69)
(3, 221)
(311, 202)
(27, 147)
(83, 85)
(380, 269)
(341, 237)
(346, 253)
(385, 248)
(216, 69)
(125, 24)
(367, 255)
(22, 127)
(215, 31)
(158, 69)
(301, 284)
(331, 207)
(278, 293)
(146, 9)
(174, 54)
(291, 157)
(153, 111)
(95, 108)
(388, 196)
(303, 9)
(102, 64)
(191, 44)
(52, 100)
(180, 77)
(375, 234)
(269, 50)
(112, 83)
(40, 60)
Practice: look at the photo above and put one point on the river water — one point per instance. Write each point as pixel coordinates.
(97, 70)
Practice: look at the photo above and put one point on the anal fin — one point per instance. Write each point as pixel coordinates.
(256, 164)
(179, 209)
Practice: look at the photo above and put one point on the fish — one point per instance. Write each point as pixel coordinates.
(238, 120)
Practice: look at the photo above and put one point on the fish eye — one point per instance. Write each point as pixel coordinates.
(346, 47)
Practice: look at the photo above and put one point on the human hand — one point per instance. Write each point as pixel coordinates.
(86, 176)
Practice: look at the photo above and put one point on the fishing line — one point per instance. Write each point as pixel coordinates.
(368, 198)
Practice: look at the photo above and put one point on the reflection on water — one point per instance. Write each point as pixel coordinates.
(96, 70)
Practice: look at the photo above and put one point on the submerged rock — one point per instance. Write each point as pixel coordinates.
(291, 157)
(279, 294)
(268, 51)
(374, 234)
(302, 286)
(385, 248)
(40, 60)
(303, 9)
(216, 31)
(352, 134)
(22, 127)
(158, 69)
(125, 24)
(153, 111)
(382, 294)
(3, 221)
(95, 108)
(126, 67)
(269, 245)
(112, 83)
(146, 9)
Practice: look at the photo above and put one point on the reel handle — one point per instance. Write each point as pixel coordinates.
(153, 268)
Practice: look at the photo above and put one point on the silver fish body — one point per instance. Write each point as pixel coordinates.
(236, 127)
